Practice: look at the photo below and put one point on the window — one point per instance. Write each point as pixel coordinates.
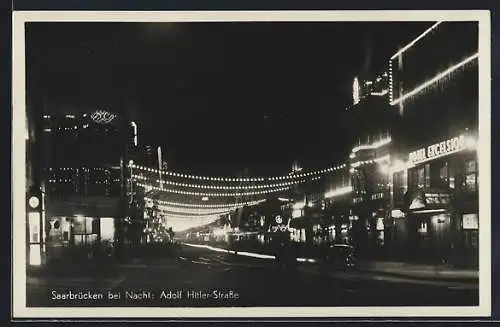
(470, 184)
(427, 175)
(420, 176)
(443, 174)
(399, 186)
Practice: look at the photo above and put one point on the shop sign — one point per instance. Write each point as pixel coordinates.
(437, 198)
(422, 200)
(357, 199)
(102, 116)
(437, 150)
(377, 196)
(470, 221)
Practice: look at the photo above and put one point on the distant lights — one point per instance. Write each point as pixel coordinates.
(235, 194)
(373, 145)
(222, 187)
(190, 205)
(241, 179)
(383, 159)
(382, 93)
(339, 191)
(194, 212)
(391, 89)
(197, 211)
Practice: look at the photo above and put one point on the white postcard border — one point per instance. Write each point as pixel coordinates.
(19, 308)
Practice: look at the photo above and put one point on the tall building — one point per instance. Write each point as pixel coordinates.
(413, 190)
(371, 124)
(84, 169)
(434, 89)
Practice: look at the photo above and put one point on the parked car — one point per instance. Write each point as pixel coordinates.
(340, 256)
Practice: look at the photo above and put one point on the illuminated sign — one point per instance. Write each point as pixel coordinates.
(278, 219)
(437, 150)
(102, 117)
(417, 203)
(356, 90)
(34, 202)
(437, 198)
(422, 200)
(470, 221)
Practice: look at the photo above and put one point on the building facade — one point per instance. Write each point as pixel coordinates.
(436, 187)
(85, 173)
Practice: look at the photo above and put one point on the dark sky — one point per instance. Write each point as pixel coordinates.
(218, 97)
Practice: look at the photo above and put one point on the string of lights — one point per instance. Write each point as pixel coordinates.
(435, 79)
(418, 38)
(190, 205)
(372, 146)
(367, 162)
(269, 191)
(168, 210)
(240, 179)
(196, 210)
(339, 191)
(175, 216)
(220, 187)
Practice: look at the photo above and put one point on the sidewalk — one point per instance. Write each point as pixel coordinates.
(420, 271)
(75, 268)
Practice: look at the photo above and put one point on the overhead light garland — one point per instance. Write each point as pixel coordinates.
(198, 210)
(269, 191)
(190, 205)
(221, 187)
(175, 216)
(175, 210)
(240, 179)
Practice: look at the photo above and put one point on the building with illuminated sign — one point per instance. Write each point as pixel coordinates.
(434, 162)
(371, 122)
(84, 173)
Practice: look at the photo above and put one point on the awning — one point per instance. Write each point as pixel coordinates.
(429, 200)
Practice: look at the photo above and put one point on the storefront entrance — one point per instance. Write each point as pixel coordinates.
(429, 219)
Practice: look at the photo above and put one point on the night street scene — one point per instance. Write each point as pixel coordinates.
(252, 164)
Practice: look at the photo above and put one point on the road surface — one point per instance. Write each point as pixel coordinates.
(204, 278)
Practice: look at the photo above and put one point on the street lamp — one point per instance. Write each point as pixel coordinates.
(35, 229)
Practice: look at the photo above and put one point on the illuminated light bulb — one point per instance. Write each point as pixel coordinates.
(470, 142)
